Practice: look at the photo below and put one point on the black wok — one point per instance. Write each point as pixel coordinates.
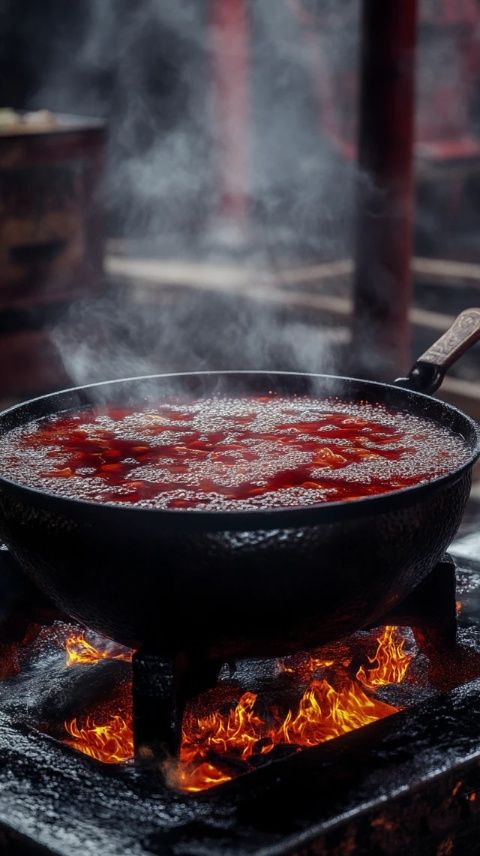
(249, 583)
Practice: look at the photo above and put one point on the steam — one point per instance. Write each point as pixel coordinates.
(162, 185)
(147, 68)
(196, 334)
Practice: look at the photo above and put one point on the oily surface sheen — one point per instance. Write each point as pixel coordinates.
(229, 454)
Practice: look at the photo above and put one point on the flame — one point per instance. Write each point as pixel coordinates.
(240, 727)
(194, 777)
(390, 658)
(78, 650)
(213, 745)
(111, 742)
(322, 714)
(325, 713)
(315, 663)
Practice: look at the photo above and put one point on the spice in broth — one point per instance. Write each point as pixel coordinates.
(225, 454)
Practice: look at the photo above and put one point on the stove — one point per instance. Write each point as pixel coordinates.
(410, 779)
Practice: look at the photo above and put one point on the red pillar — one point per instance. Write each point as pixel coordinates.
(382, 288)
(230, 86)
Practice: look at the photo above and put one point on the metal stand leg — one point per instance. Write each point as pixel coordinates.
(431, 610)
(161, 690)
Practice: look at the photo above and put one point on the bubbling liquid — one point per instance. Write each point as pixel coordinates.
(223, 454)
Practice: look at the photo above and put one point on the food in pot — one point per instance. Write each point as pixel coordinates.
(221, 454)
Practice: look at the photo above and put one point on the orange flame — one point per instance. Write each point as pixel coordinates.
(390, 658)
(239, 728)
(322, 714)
(111, 742)
(194, 777)
(78, 651)
(325, 713)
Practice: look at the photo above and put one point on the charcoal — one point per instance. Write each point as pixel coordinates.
(83, 688)
(231, 765)
(404, 695)
(58, 693)
(278, 753)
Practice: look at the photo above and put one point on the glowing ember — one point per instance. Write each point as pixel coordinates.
(196, 777)
(323, 713)
(9, 665)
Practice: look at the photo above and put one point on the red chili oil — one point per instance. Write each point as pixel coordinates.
(225, 454)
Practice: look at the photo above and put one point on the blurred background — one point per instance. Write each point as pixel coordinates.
(181, 188)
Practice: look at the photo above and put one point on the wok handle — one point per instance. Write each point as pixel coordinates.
(428, 372)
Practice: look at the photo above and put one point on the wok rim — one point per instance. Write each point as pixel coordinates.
(249, 519)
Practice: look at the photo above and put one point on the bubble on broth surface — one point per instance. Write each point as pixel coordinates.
(230, 453)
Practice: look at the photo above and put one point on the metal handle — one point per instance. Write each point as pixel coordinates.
(428, 372)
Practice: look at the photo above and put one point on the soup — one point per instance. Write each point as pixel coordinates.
(221, 454)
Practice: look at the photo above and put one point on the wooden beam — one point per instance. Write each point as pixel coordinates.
(383, 247)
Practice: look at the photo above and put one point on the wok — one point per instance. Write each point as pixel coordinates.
(248, 583)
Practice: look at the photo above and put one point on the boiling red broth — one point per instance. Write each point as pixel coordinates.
(226, 454)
